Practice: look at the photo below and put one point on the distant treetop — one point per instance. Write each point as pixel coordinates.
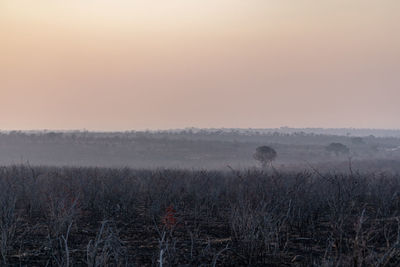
(337, 148)
(265, 155)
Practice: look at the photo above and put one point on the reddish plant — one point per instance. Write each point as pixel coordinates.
(169, 219)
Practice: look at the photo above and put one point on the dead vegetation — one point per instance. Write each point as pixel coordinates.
(122, 217)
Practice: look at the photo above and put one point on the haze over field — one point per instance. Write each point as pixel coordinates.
(117, 65)
(199, 133)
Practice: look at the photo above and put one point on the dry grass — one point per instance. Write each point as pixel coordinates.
(123, 217)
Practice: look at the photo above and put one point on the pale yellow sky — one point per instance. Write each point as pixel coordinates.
(126, 64)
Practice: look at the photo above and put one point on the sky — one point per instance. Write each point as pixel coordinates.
(161, 64)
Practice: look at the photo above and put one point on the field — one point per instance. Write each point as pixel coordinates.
(199, 198)
(199, 149)
(199, 133)
(59, 216)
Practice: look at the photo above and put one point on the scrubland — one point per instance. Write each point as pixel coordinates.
(69, 216)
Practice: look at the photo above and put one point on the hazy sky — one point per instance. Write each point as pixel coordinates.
(130, 64)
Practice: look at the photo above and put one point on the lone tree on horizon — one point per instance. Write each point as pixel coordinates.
(338, 148)
(265, 155)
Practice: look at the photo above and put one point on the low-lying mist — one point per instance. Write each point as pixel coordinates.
(201, 149)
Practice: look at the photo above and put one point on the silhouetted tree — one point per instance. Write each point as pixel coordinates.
(265, 155)
(337, 148)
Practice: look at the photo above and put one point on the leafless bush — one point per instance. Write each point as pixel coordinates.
(62, 212)
(8, 221)
(106, 249)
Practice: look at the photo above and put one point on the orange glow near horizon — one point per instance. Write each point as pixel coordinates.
(120, 65)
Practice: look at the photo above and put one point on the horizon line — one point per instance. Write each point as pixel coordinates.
(196, 128)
